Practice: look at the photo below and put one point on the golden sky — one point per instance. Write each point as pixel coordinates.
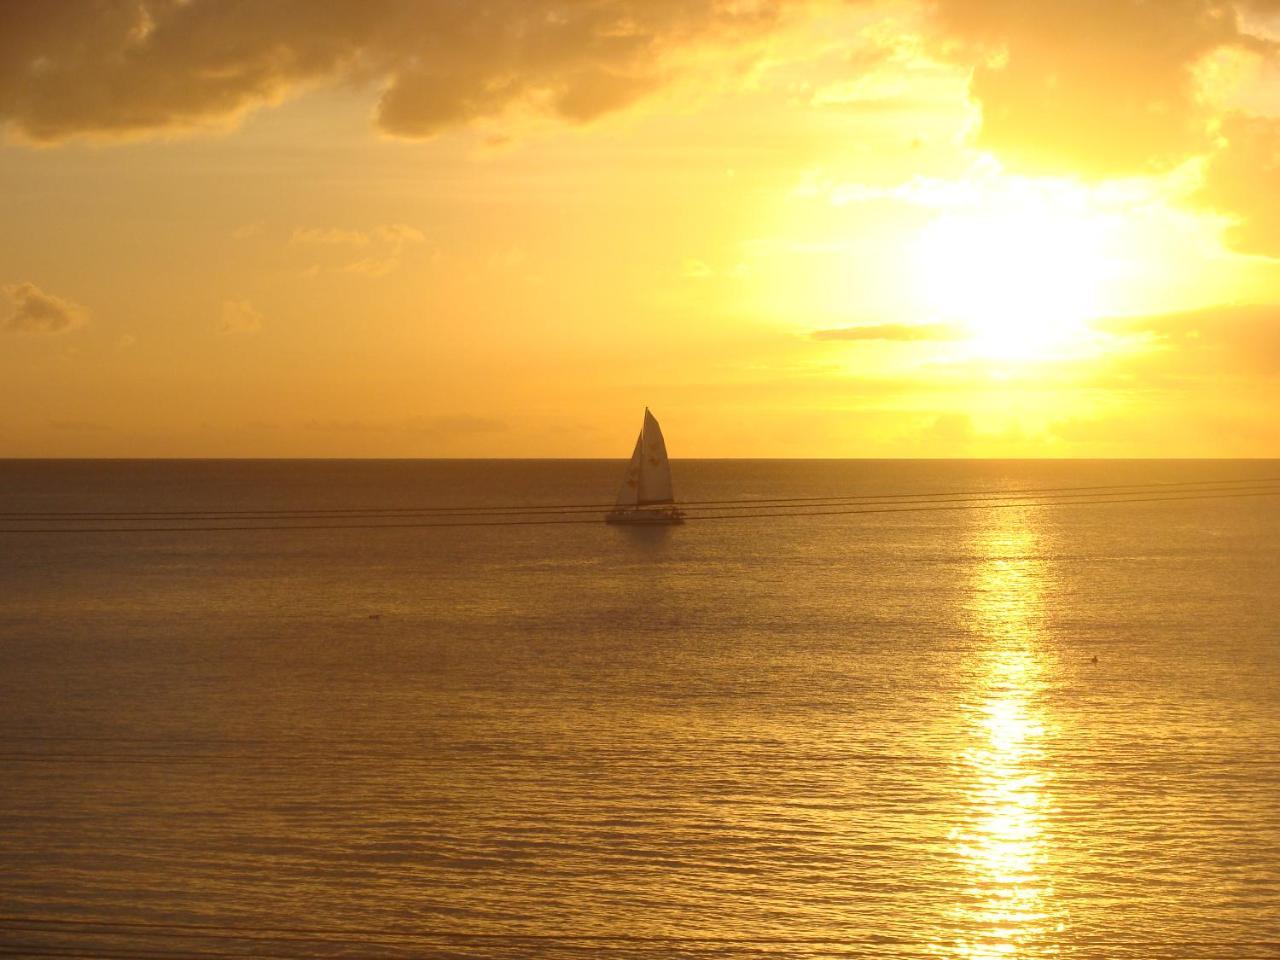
(504, 227)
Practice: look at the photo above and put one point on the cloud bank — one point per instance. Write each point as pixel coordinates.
(118, 67)
(1093, 88)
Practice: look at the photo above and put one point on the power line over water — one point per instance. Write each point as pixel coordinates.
(513, 515)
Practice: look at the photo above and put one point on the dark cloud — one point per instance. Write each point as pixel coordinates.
(892, 331)
(1094, 87)
(73, 67)
(34, 311)
(1082, 87)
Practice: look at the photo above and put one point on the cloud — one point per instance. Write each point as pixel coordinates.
(1098, 88)
(389, 238)
(1243, 180)
(128, 67)
(693, 269)
(1229, 341)
(330, 236)
(35, 311)
(239, 317)
(1112, 88)
(892, 331)
(373, 266)
(595, 92)
(399, 234)
(1094, 87)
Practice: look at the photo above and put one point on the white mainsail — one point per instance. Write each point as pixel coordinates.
(655, 468)
(648, 477)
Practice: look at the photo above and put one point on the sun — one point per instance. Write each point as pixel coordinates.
(1021, 275)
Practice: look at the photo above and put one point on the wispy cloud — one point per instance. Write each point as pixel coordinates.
(373, 266)
(399, 234)
(388, 241)
(330, 236)
(240, 318)
(892, 331)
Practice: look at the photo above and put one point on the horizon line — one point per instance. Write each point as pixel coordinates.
(254, 459)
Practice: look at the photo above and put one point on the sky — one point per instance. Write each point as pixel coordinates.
(502, 228)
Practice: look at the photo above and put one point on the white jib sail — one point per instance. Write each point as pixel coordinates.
(629, 492)
(655, 468)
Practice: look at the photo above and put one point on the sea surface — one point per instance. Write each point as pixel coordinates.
(1010, 729)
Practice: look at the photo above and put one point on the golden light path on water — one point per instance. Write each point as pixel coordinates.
(1004, 843)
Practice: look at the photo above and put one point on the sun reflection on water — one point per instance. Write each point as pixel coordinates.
(1003, 843)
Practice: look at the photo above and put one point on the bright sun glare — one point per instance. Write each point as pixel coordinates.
(1023, 278)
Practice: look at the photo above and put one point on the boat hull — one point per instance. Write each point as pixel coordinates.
(667, 517)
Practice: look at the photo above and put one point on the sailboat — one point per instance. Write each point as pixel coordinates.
(645, 495)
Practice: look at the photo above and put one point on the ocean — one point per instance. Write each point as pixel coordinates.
(1018, 728)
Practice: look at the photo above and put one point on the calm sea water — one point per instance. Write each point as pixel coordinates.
(803, 737)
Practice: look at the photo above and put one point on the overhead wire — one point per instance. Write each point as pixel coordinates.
(206, 526)
(478, 509)
(987, 505)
